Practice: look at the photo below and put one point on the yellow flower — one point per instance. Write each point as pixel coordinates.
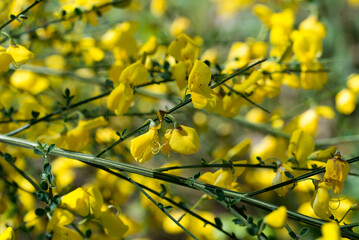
(239, 150)
(228, 105)
(183, 48)
(158, 7)
(20, 54)
(330, 231)
(323, 154)
(145, 146)
(345, 101)
(307, 46)
(78, 138)
(301, 144)
(320, 202)
(182, 139)
(60, 217)
(120, 99)
(277, 218)
(221, 178)
(150, 46)
(112, 224)
(263, 13)
(313, 76)
(5, 60)
(281, 177)
(29, 81)
(308, 121)
(202, 95)
(179, 73)
(61, 232)
(312, 24)
(8, 234)
(134, 74)
(95, 201)
(336, 172)
(179, 25)
(77, 201)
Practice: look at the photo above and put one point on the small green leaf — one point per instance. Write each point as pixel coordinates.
(56, 200)
(44, 185)
(238, 222)
(167, 208)
(164, 191)
(38, 152)
(35, 114)
(40, 212)
(289, 175)
(187, 97)
(168, 120)
(42, 196)
(160, 206)
(51, 148)
(304, 231)
(124, 131)
(196, 176)
(78, 11)
(118, 134)
(8, 157)
(234, 201)
(47, 168)
(88, 233)
(292, 235)
(220, 194)
(218, 222)
(203, 161)
(50, 179)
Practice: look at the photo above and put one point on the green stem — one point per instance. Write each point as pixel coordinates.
(92, 160)
(225, 165)
(78, 230)
(22, 173)
(346, 213)
(23, 12)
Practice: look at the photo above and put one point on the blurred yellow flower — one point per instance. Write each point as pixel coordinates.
(8, 234)
(60, 231)
(134, 74)
(336, 172)
(277, 218)
(5, 60)
(179, 25)
(301, 145)
(120, 99)
(330, 231)
(60, 217)
(345, 101)
(323, 155)
(20, 54)
(150, 46)
(158, 7)
(77, 201)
